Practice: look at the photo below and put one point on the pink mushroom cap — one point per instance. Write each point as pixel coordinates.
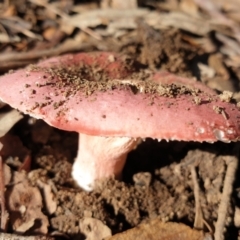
(104, 96)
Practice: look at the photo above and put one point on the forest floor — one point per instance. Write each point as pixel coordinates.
(175, 186)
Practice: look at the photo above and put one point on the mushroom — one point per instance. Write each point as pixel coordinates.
(112, 103)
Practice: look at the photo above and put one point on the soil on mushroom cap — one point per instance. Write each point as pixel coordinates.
(69, 80)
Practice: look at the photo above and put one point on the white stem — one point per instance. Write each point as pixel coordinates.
(99, 158)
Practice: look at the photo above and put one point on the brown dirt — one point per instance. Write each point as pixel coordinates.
(157, 182)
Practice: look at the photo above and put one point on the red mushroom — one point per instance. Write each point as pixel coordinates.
(112, 105)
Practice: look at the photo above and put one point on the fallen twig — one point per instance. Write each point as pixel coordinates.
(4, 213)
(18, 237)
(21, 58)
(198, 221)
(232, 162)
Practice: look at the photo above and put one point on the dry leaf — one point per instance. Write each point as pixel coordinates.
(178, 20)
(119, 4)
(10, 11)
(24, 204)
(19, 237)
(217, 17)
(206, 71)
(230, 47)
(94, 229)
(67, 223)
(155, 230)
(170, 5)
(215, 62)
(4, 38)
(25, 226)
(189, 7)
(8, 120)
(102, 17)
(50, 33)
(233, 61)
(237, 217)
(12, 146)
(50, 204)
(18, 25)
(7, 174)
(85, 7)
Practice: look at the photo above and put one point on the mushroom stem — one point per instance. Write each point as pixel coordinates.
(100, 157)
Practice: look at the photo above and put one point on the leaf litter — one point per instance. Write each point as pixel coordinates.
(158, 184)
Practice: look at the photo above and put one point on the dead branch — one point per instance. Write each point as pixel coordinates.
(23, 58)
(4, 213)
(232, 162)
(6, 236)
(198, 221)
